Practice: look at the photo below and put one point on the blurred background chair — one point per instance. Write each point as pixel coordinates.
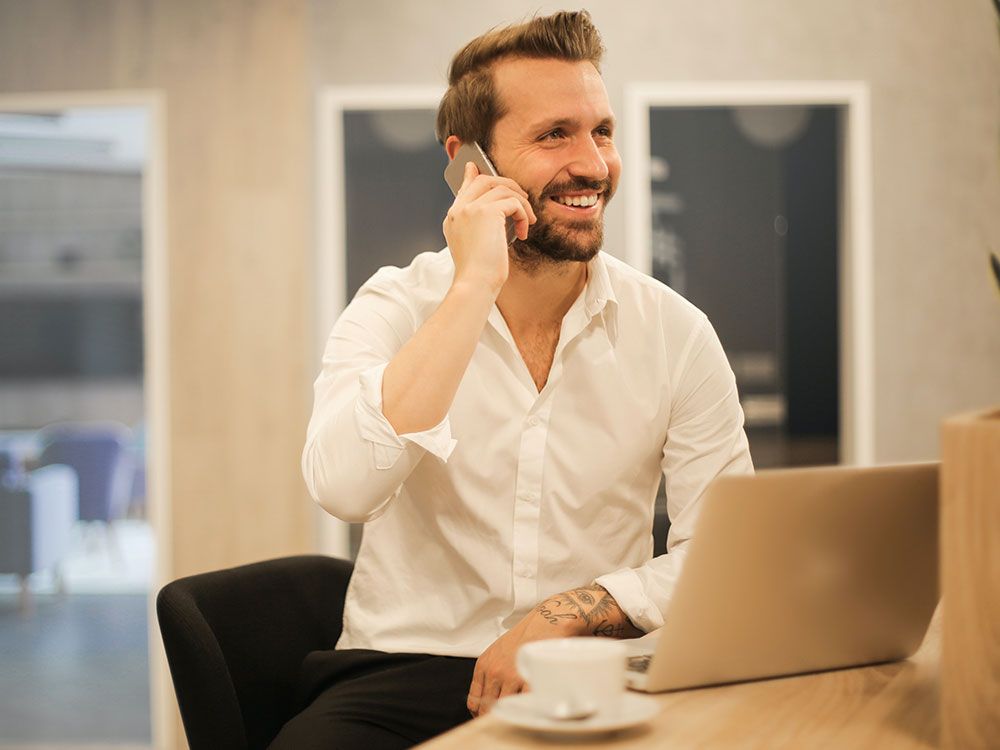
(38, 510)
(6, 463)
(235, 640)
(100, 456)
(137, 493)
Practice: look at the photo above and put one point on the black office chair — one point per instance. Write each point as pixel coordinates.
(235, 640)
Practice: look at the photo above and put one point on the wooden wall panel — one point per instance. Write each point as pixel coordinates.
(239, 135)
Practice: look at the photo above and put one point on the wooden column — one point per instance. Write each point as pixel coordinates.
(970, 581)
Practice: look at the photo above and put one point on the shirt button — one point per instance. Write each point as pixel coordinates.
(532, 421)
(527, 573)
(529, 497)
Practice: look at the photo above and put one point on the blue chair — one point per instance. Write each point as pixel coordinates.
(99, 454)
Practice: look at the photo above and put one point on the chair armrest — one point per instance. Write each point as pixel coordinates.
(235, 640)
(37, 514)
(54, 511)
(15, 530)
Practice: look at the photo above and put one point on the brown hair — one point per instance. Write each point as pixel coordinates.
(470, 107)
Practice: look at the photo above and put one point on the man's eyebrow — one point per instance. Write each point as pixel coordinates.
(569, 122)
(562, 122)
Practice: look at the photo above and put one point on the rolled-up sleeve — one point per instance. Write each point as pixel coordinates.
(705, 439)
(354, 463)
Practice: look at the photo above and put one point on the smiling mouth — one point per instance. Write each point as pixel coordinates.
(577, 201)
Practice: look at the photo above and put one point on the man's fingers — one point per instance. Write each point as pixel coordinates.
(475, 690)
(507, 182)
(500, 194)
(480, 184)
(515, 209)
(479, 189)
(511, 687)
(471, 170)
(491, 691)
(496, 690)
(508, 205)
(489, 181)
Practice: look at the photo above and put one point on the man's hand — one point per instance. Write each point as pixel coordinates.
(476, 227)
(589, 610)
(420, 382)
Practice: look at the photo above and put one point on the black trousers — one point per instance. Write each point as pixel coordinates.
(376, 701)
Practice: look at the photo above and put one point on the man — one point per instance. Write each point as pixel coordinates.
(499, 417)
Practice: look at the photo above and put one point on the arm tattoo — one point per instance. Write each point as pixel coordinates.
(547, 609)
(595, 606)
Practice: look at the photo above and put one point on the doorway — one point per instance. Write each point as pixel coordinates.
(751, 200)
(372, 140)
(82, 417)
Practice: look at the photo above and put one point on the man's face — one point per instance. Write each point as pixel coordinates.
(556, 142)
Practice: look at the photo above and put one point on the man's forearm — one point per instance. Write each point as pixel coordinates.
(588, 610)
(420, 382)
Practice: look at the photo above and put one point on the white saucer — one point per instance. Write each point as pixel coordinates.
(520, 711)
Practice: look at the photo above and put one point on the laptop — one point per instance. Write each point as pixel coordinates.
(799, 570)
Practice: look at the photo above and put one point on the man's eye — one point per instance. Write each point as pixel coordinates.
(603, 132)
(553, 135)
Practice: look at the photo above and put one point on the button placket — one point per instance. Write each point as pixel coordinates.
(530, 462)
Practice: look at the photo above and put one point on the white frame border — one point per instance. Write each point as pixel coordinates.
(156, 356)
(855, 258)
(331, 251)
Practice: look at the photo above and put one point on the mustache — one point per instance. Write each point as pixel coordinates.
(579, 183)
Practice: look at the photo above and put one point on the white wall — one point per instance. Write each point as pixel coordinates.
(933, 68)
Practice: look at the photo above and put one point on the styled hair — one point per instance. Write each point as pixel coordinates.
(471, 107)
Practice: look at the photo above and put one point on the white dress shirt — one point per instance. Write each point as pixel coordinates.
(519, 494)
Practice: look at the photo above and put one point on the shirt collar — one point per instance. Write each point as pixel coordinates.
(599, 296)
(598, 299)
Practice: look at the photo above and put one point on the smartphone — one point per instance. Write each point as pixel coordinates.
(454, 173)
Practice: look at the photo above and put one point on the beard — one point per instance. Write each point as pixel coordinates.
(559, 241)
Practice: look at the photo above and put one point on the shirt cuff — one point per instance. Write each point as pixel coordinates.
(387, 446)
(626, 587)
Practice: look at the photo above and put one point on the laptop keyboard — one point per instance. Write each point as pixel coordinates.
(639, 663)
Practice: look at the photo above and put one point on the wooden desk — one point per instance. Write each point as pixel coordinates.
(889, 707)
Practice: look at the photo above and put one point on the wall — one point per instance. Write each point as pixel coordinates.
(933, 69)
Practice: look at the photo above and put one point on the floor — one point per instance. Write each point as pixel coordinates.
(101, 560)
(75, 666)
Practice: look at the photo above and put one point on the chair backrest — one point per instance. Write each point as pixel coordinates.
(12, 472)
(99, 456)
(235, 640)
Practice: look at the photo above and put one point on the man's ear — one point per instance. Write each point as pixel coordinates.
(451, 146)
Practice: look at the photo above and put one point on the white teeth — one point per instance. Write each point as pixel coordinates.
(581, 201)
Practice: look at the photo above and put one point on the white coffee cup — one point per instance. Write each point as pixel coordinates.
(574, 677)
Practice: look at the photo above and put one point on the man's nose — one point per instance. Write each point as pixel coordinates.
(588, 161)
